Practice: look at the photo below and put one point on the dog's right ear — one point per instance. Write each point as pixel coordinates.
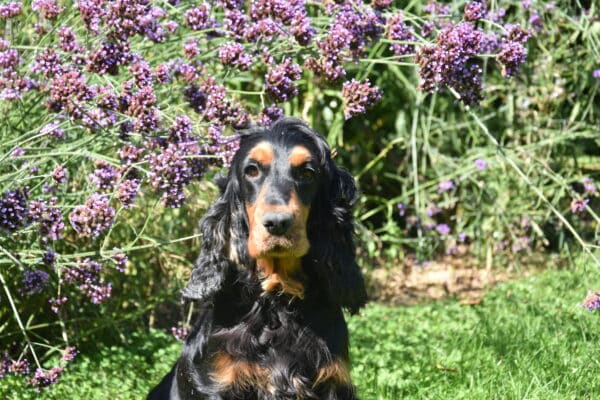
(222, 227)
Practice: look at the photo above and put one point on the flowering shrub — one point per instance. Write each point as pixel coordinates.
(115, 111)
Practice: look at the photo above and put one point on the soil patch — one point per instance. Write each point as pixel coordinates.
(463, 277)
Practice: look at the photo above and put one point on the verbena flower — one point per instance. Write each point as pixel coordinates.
(578, 205)
(69, 354)
(589, 186)
(14, 210)
(442, 229)
(34, 281)
(10, 10)
(53, 130)
(59, 175)
(591, 301)
(49, 218)
(397, 29)
(86, 275)
(358, 97)
(445, 186)
(43, 378)
(49, 258)
(19, 367)
(57, 303)
(401, 209)
(170, 173)
(198, 18)
(120, 260)
(48, 63)
(105, 176)
(190, 48)
(233, 54)
(179, 333)
(474, 11)
(270, 114)
(451, 63)
(47, 8)
(433, 210)
(512, 55)
(481, 164)
(67, 40)
(94, 217)
(596, 73)
(127, 192)
(130, 154)
(279, 81)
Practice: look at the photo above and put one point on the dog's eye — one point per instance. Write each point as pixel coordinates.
(251, 171)
(307, 174)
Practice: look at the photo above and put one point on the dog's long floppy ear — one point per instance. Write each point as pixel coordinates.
(332, 226)
(222, 229)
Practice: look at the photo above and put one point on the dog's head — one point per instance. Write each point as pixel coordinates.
(283, 201)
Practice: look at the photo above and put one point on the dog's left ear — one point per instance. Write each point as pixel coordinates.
(332, 226)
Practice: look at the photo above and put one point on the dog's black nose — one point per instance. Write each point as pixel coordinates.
(277, 223)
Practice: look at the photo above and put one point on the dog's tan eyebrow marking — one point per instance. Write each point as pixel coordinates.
(262, 153)
(299, 155)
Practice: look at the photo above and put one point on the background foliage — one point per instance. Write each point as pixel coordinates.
(116, 115)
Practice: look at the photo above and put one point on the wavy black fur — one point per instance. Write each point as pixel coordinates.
(292, 338)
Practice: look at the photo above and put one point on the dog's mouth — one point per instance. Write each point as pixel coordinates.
(293, 245)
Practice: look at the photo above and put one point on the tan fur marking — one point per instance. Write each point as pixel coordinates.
(299, 155)
(262, 153)
(336, 371)
(228, 372)
(282, 274)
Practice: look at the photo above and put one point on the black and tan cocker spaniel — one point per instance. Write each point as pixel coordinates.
(277, 268)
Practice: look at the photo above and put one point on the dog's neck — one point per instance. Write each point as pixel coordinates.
(281, 274)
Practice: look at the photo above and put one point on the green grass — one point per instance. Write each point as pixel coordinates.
(527, 340)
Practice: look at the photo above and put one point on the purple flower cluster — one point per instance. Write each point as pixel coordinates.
(210, 100)
(578, 205)
(270, 114)
(105, 176)
(120, 261)
(444, 186)
(451, 63)
(94, 217)
(53, 130)
(57, 303)
(47, 8)
(12, 83)
(34, 281)
(222, 147)
(474, 11)
(198, 18)
(513, 52)
(19, 367)
(358, 97)
(127, 192)
(591, 301)
(279, 81)
(10, 10)
(170, 172)
(179, 333)
(233, 54)
(397, 29)
(14, 210)
(86, 276)
(48, 217)
(43, 378)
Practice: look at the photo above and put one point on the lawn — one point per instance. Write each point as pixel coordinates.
(527, 340)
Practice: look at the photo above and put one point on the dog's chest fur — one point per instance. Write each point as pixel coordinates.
(278, 346)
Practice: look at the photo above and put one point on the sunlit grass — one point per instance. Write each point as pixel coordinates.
(526, 340)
